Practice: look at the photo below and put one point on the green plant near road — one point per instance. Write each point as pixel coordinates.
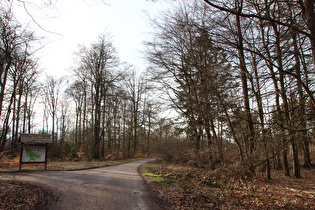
(4, 184)
(187, 187)
(167, 174)
(155, 178)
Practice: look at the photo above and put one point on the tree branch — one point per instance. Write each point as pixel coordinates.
(257, 17)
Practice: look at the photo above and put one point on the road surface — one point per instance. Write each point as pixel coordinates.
(114, 187)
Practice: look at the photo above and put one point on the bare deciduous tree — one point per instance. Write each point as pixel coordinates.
(52, 92)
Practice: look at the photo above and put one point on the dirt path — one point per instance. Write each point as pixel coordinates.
(113, 187)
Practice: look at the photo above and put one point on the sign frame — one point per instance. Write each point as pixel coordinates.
(40, 141)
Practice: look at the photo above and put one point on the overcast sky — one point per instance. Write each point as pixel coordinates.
(74, 22)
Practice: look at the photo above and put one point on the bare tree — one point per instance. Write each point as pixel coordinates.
(15, 62)
(264, 42)
(52, 91)
(306, 7)
(137, 87)
(99, 63)
(31, 91)
(77, 91)
(22, 73)
(194, 71)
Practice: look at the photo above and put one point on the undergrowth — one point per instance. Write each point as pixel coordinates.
(187, 187)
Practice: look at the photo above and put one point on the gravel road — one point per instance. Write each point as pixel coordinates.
(115, 187)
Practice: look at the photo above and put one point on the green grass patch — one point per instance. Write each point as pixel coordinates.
(155, 178)
(4, 184)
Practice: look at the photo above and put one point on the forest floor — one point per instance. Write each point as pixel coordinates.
(186, 187)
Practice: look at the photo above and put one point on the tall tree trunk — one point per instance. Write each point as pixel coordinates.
(310, 19)
(13, 124)
(17, 125)
(124, 140)
(249, 140)
(103, 132)
(3, 80)
(209, 142)
(5, 125)
(283, 94)
(135, 129)
(96, 147)
(25, 110)
(118, 133)
(80, 126)
(149, 132)
(230, 125)
(303, 132)
(277, 99)
(53, 132)
(257, 93)
(84, 121)
(77, 124)
(217, 139)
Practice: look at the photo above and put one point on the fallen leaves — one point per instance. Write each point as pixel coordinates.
(16, 195)
(194, 188)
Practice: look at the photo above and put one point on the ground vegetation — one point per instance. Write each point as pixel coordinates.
(186, 187)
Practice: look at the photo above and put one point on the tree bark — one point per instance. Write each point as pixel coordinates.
(249, 140)
(283, 94)
(310, 19)
(97, 112)
(302, 117)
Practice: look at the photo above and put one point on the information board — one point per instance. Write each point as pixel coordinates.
(34, 148)
(36, 154)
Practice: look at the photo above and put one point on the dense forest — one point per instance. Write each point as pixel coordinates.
(239, 75)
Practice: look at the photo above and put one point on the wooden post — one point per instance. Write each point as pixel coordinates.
(46, 156)
(20, 164)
